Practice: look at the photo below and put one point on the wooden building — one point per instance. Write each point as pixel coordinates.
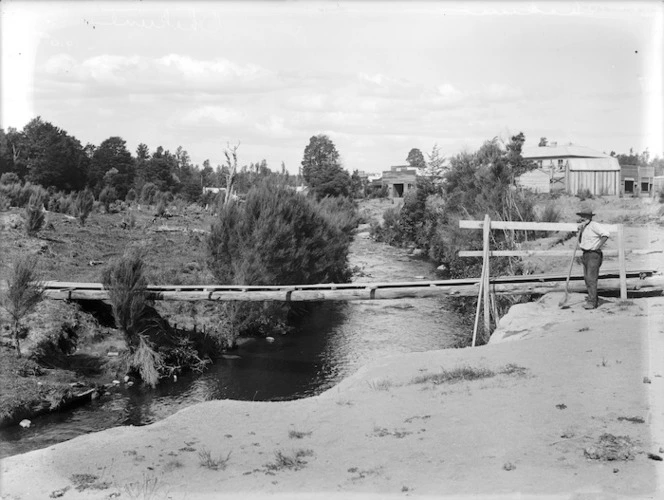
(574, 169)
(399, 180)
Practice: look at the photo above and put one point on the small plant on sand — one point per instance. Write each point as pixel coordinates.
(24, 292)
(298, 434)
(294, 461)
(380, 385)
(145, 489)
(456, 375)
(208, 461)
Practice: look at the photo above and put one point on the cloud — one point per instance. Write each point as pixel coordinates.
(274, 127)
(213, 114)
(170, 73)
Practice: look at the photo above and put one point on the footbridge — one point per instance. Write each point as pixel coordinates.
(638, 282)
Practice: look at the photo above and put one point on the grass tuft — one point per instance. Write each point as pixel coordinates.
(294, 461)
(456, 375)
(206, 460)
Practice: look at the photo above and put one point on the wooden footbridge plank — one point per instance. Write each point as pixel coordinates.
(640, 280)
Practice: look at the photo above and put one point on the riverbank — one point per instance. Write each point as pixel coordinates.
(531, 417)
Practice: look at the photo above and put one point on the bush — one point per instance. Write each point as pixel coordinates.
(9, 178)
(34, 214)
(277, 237)
(584, 194)
(83, 205)
(107, 196)
(148, 192)
(125, 281)
(131, 196)
(24, 291)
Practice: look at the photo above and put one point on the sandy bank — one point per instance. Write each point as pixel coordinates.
(575, 376)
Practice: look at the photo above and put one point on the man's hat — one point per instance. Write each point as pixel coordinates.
(585, 210)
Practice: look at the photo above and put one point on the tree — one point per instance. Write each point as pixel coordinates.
(24, 292)
(112, 156)
(357, 185)
(231, 171)
(435, 167)
(321, 169)
(51, 157)
(416, 159)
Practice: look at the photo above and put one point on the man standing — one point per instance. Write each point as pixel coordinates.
(592, 237)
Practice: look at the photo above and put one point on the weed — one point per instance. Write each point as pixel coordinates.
(298, 434)
(604, 362)
(293, 462)
(610, 448)
(380, 385)
(624, 305)
(634, 420)
(172, 465)
(646, 380)
(145, 489)
(88, 482)
(206, 460)
(455, 375)
(512, 369)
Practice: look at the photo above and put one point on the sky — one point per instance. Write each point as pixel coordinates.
(378, 78)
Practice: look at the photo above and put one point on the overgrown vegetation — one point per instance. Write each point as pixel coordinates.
(278, 237)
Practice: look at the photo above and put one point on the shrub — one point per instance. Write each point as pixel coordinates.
(584, 194)
(277, 237)
(125, 281)
(131, 196)
(148, 192)
(24, 292)
(9, 178)
(34, 214)
(107, 196)
(83, 205)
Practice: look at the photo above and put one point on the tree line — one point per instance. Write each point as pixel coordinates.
(46, 155)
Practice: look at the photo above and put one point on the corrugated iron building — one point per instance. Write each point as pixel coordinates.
(575, 169)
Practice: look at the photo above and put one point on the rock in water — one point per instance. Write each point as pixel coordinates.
(25, 423)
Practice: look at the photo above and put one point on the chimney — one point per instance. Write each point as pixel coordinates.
(553, 144)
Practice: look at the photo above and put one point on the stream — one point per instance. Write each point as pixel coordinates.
(330, 344)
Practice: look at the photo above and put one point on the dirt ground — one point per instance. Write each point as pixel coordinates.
(562, 403)
(535, 423)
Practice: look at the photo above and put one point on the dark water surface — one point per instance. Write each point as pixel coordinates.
(330, 344)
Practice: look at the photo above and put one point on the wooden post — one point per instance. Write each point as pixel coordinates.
(479, 304)
(487, 272)
(621, 262)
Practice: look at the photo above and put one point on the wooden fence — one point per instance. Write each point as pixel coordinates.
(485, 299)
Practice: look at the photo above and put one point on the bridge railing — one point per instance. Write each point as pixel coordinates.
(485, 299)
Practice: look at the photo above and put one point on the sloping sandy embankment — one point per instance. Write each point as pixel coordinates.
(573, 376)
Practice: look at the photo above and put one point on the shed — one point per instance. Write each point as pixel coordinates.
(574, 169)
